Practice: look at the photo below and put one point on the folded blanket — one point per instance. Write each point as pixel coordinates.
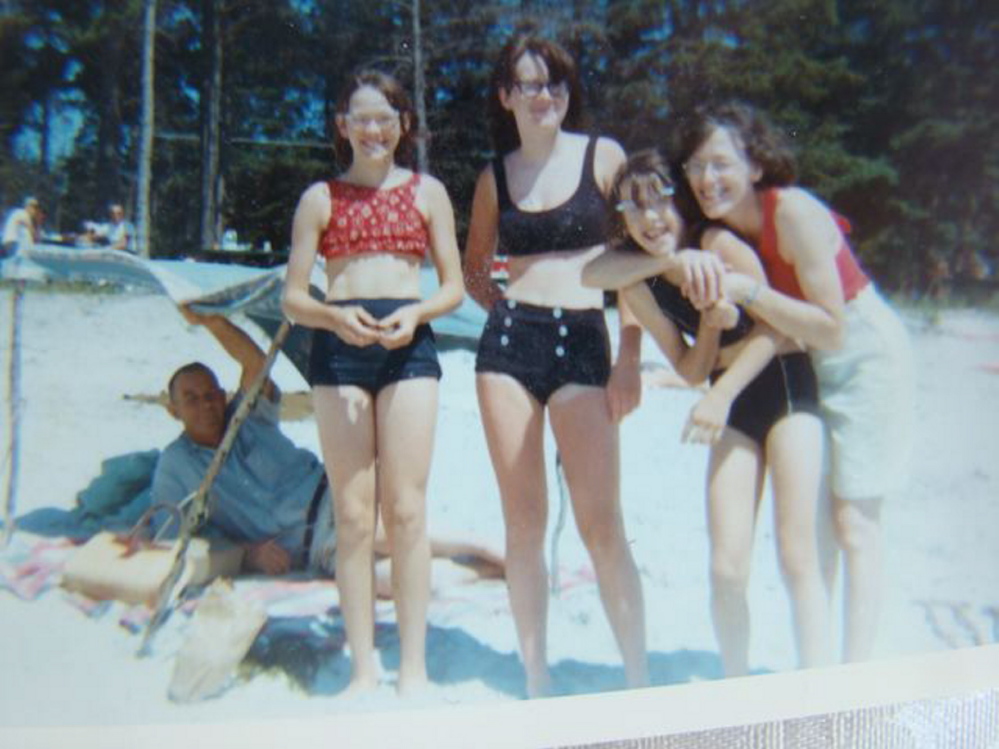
(113, 501)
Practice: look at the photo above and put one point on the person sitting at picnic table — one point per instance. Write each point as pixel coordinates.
(271, 497)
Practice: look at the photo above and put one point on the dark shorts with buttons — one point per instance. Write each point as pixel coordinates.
(544, 348)
(786, 385)
(333, 361)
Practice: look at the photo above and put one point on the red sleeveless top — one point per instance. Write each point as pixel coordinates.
(366, 220)
(780, 273)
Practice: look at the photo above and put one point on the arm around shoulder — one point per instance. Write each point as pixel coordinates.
(808, 239)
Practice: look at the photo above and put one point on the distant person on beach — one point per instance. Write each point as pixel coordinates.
(270, 497)
(742, 174)
(120, 233)
(545, 348)
(22, 228)
(760, 413)
(374, 369)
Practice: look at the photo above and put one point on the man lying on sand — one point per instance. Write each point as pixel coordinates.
(270, 496)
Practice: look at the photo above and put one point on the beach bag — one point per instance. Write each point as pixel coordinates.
(221, 633)
(132, 567)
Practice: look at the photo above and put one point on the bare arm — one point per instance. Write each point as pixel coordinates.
(480, 247)
(352, 324)
(809, 239)
(709, 415)
(400, 326)
(692, 363)
(237, 344)
(616, 269)
(443, 252)
(624, 389)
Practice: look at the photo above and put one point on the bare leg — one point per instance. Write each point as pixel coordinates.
(406, 419)
(794, 452)
(444, 547)
(858, 526)
(514, 425)
(735, 483)
(588, 444)
(829, 556)
(345, 416)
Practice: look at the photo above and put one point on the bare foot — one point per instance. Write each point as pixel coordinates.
(412, 684)
(539, 685)
(360, 684)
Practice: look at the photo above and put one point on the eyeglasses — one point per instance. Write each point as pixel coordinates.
(533, 89)
(696, 168)
(662, 200)
(381, 121)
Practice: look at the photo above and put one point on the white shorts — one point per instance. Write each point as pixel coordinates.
(867, 395)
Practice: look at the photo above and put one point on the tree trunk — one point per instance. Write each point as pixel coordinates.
(419, 92)
(109, 126)
(143, 216)
(211, 119)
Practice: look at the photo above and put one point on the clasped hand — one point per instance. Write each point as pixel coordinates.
(358, 327)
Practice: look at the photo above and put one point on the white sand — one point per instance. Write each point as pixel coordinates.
(83, 352)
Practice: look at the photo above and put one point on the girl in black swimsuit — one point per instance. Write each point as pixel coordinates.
(545, 350)
(760, 412)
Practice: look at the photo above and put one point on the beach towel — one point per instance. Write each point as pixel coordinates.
(113, 501)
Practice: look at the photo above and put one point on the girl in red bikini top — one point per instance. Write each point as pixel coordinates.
(374, 225)
(369, 220)
(373, 366)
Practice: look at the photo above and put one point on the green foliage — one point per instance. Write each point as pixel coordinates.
(892, 106)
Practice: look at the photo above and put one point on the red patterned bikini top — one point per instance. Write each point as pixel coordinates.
(366, 220)
(781, 274)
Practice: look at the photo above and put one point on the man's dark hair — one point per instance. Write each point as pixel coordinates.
(190, 368)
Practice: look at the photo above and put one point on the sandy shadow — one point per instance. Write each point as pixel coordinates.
(310, 652)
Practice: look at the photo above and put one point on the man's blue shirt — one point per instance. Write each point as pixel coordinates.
(265, 485)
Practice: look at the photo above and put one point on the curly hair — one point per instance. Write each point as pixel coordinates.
(396, 96)
(561, 69)
(763, 143)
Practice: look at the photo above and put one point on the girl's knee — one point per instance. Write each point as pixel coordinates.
(798, 560)
(407, 518)
(524, 539)
(354, 529)
(729, 573)
(857, 526)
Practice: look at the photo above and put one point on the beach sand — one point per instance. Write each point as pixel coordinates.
(93, 361)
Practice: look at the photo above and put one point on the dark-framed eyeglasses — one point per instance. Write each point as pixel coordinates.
(533, 89)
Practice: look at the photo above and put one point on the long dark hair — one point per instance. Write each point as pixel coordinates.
(396, 96)
(763, 143)
(648, 170)
(561, 68)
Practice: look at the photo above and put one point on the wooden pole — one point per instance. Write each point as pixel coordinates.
(14, 412)
(197, 513)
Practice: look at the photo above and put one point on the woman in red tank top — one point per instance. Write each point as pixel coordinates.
(741, 174)
(372, 348)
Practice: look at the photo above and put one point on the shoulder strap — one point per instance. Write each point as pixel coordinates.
(333, 187)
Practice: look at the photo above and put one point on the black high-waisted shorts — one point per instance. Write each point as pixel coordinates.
(786, 385)
(333, 361)
(544, 348)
